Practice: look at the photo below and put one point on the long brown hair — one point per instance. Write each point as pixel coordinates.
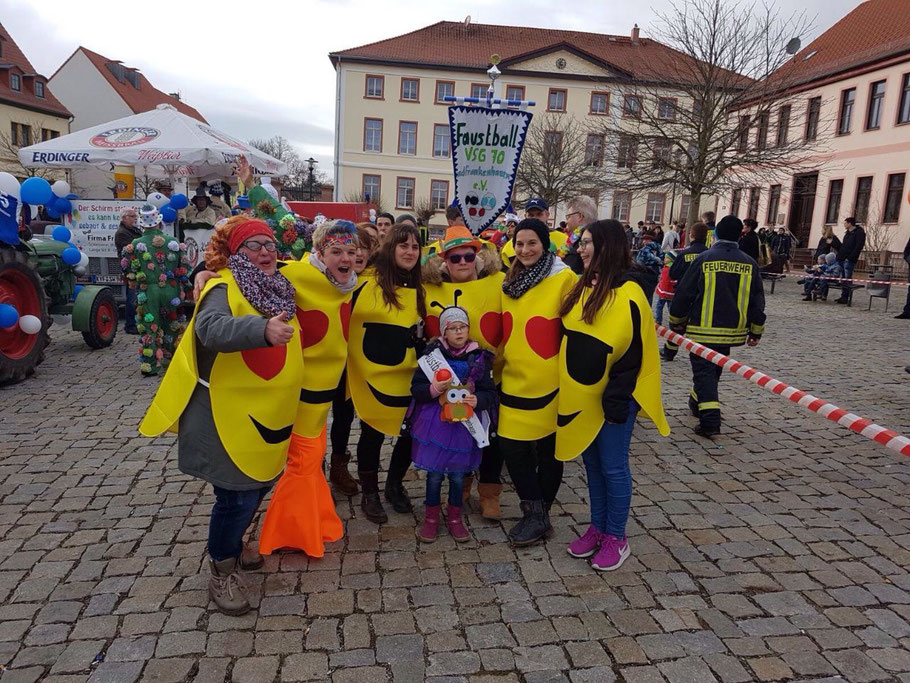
(390, 277)
(610, 262)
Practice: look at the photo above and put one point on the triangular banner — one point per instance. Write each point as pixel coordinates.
(486, 148)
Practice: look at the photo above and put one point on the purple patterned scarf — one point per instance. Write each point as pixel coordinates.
(271, 295)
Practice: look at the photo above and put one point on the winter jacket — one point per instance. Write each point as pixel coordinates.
(221, 209)
(650, 257)
(824, 246)
(125, 235)
(666, 285)
(207, 215)
(720, 300)
(670, 241)
(684, 258)
(748, 244)
(852, 246)
(781, 245)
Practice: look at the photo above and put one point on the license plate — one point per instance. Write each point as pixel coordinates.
(108, 279)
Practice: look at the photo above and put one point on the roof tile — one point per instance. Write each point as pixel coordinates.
(14, 57)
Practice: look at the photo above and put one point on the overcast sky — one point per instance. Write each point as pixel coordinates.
(258, 70)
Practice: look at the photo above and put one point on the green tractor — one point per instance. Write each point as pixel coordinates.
(35, 280)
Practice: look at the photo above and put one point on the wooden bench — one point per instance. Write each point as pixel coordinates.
(774, 278)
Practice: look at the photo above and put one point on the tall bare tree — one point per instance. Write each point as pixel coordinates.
(720, 117)
(559, 161)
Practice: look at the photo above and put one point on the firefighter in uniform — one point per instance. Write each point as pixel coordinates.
(719, 303)
(698, 236)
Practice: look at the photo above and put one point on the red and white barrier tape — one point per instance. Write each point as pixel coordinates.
(899, 283)
(860, 425)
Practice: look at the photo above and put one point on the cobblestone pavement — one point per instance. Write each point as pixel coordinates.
(780, 551)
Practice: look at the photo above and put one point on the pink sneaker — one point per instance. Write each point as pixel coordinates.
(613, 552)
(586, 545)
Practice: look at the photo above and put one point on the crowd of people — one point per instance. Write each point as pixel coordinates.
(470, 353)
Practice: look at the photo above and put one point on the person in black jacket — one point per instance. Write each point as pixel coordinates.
(905, 314)
(849, 252)
(781, 246)
(748, 243)
(128, 231)
(698, 237)
(827, 243)
(719, 303)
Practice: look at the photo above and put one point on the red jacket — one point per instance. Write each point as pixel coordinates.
(665, 286)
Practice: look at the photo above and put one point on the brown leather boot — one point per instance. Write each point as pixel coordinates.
(340, 476)
(466, 493)
(489, 500)
(369, 501)
(225, 587)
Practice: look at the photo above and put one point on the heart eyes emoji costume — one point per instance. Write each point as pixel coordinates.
(254, 392)
(531, 331)
(614, 357)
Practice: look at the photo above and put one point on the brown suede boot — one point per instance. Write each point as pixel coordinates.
(225, 587)
(340, 476)
(489, 500)
(466, 492)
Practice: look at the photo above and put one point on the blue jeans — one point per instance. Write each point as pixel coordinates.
(848, 267)
(129, 307)
(659, 312)
(609, 476)
(434, 488)
(231, 516)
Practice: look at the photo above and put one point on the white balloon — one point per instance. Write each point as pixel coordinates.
(30, 324)
(9, 185)
(61, 188)
(157, 199)
(79, 269)
(83, 260)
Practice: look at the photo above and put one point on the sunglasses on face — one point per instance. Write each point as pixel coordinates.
(256, 245)
(456, 258)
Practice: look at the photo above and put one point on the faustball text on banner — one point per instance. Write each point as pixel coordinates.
(486, 149)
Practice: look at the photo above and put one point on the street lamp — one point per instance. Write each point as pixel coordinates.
(311, 179)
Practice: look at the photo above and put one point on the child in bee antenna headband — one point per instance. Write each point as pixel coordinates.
(443, 401)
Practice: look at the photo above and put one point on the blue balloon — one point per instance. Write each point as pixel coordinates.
(60, 204)
(76, 290)
(62, 234)
(71, 256)
(9, 316)
(168, 214)
(52, 212)
(179, 201)
(36, 191)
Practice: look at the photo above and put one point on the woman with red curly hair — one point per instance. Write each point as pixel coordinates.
(231, 392)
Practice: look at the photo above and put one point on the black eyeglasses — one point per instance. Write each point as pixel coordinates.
(456, 258)
(256, 245)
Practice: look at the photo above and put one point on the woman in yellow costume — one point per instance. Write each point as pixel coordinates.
(462, 265)
(609, 369)
(532, 292)
(386, 331)
(301, 513)
(231, 393)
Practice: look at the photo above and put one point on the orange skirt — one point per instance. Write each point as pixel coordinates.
(301, 513)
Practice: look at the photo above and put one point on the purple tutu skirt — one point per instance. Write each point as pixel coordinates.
(440, 446)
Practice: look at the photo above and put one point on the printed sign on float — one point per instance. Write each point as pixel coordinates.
(94, 223)
(486, 148)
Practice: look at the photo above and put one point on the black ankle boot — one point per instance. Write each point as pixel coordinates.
(369, 501)
(532, 527)
(397, 496)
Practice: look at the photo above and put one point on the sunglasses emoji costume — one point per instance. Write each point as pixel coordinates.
(254, 393)
(531, 331)
(382, 356)
(617, 354)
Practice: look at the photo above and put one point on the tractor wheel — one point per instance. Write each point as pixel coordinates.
(21, 287)
(102, 322)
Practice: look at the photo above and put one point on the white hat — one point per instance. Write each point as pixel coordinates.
(149, 216)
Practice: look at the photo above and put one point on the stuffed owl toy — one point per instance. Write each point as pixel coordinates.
(454, 409)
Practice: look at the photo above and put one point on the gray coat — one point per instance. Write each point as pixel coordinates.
(200, 452)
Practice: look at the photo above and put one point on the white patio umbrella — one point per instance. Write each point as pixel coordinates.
(163, 138)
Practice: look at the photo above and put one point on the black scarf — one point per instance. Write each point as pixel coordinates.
(268, 294)
(529, 276)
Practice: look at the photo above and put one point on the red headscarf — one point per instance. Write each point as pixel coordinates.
(241, 233)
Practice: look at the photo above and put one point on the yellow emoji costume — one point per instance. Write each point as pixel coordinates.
(381, 356)
(323, 312)
(530, 374)
(254, 393)
(620, 340)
